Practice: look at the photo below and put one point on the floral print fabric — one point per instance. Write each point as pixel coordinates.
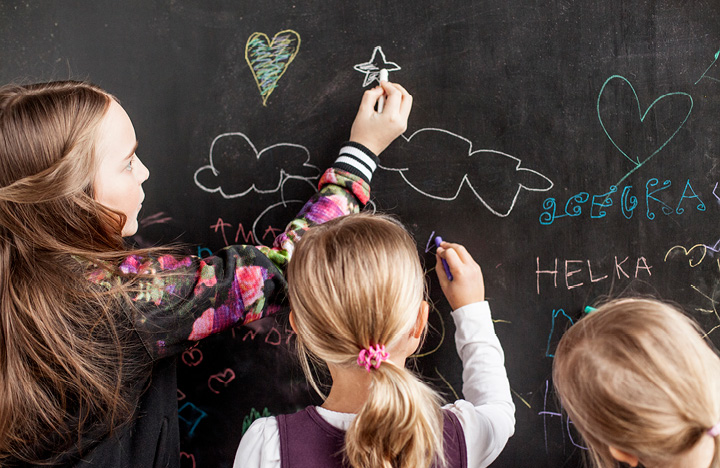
(187, 299)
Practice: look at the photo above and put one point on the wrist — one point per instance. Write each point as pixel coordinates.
(458, 303)
(469, 305)
(369, 146)
(357, 159)
(358, 143)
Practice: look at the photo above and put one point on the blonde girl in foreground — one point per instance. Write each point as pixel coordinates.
(641, 386)
(356, 294)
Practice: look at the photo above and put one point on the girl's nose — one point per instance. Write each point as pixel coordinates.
(143, 171)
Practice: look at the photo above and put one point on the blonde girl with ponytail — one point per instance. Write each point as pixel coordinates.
(357, 291)
(642, 386)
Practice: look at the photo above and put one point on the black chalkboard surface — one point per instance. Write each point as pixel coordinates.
(571, 145)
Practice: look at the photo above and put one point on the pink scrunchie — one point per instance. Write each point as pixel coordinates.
(714, 431)
(372, 357)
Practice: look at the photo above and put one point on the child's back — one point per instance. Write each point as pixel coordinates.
(356, 293)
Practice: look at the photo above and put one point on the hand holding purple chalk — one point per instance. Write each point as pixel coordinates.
(438, 241)
(462, 282)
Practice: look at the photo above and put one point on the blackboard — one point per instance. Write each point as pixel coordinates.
(571, 145)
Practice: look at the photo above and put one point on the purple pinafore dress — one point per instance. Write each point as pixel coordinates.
(308, 441)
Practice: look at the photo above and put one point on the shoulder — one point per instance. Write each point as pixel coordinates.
(260, 445)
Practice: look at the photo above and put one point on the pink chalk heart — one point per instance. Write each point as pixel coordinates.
(192, 357)
(187, 460)
(224, 377)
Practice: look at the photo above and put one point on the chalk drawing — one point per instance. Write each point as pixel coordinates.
(705, 75)
(157, 218)
(273, 336)
(696, 255)
(715, 248)
(237, 168)
(224, 378)
(455, 394)
(473, 175)
(269, 59)
(499, 176)
(372, 67)
(555, 314)
(636, 159)
(713, 304)
(191, 415)
(702, 249)
(284, 203)
(578, 205)
(521, 398)
(546, 413)
(430, 243)
(192, 357)
(254, 414)
(188, 456)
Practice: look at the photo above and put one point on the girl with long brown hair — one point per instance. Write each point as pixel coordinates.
(85, 321)
(642, 386)
(357, 304)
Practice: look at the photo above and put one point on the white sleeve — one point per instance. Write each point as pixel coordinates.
(488, 415)
(260, 446)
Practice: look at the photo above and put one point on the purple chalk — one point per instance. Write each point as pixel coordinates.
(438, 241)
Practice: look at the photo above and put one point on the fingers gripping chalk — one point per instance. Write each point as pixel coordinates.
(438, 241)
(381, 102)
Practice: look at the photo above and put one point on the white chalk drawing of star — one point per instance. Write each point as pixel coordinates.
(372, 67)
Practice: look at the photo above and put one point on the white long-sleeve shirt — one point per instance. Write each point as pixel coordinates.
(487, 414)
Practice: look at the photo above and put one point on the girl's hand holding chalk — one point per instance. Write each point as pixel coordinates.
(377, 130)
(467, 285)
(438, 243)
(381, 101)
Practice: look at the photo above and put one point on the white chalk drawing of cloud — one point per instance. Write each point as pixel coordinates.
(438, 164)
(237, 168)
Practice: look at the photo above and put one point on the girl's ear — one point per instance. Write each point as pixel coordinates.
(624, 457)
(292, 322)
(422, 319)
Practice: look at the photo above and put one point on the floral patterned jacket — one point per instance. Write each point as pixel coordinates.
(190, 298)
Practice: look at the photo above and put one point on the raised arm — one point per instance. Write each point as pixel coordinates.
(181, 300)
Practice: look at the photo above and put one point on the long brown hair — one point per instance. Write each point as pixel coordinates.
(68, 357)
(355, 282)
(636, 375)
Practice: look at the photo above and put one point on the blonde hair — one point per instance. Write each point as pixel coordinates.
(70, 363)
(355, 282)
(637, 375)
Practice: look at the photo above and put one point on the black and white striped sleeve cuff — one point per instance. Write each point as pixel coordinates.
(356, 159)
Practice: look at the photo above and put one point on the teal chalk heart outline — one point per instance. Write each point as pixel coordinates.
(637, 161)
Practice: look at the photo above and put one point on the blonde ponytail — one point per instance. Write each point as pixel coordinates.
(356, 282)
(398, 423)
